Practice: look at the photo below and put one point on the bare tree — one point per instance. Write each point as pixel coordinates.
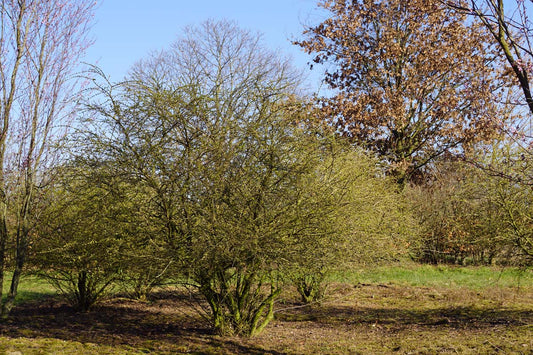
(40, 46)
(512, 31)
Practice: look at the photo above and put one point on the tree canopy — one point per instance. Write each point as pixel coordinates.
(213, 129)
(411, 80)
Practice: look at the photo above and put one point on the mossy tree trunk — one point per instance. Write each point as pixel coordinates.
(241, 302)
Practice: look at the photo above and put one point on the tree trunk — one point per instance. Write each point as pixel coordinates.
(3, 240)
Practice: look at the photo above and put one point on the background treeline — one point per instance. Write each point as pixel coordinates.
(210, 168)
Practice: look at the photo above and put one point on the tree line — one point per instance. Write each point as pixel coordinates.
(210, 167)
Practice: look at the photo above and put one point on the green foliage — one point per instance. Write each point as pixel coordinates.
(240, 193)
(472, 215)
(97, 232)
(81, 237)
(513, 195)
(460, 219)
(367, 221)
(214, 149)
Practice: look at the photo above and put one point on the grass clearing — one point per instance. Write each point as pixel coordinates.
(31, 288)
(414, 310)
(441, 276)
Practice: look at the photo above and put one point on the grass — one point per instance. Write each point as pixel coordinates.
(386, 310)
(441, 276)
(31, 288)
(21, 345)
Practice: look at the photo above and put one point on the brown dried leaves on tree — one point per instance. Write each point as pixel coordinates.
(412, 80)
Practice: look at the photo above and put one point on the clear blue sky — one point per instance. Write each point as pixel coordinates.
(128, 30)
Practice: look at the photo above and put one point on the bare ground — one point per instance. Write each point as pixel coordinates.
(366, 319)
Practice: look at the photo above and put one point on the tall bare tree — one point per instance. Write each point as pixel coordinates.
(41, 43)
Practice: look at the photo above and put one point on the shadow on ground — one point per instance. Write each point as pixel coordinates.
(170, 324)
(166, 324)
(453, 317)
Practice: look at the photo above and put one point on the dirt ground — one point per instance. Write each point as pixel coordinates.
(365, 319)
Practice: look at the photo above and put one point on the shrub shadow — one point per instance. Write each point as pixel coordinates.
(460, 317)
(141, 325)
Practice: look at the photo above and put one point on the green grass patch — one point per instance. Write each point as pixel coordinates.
(440, 276)
(30, 288)
(25, 346)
